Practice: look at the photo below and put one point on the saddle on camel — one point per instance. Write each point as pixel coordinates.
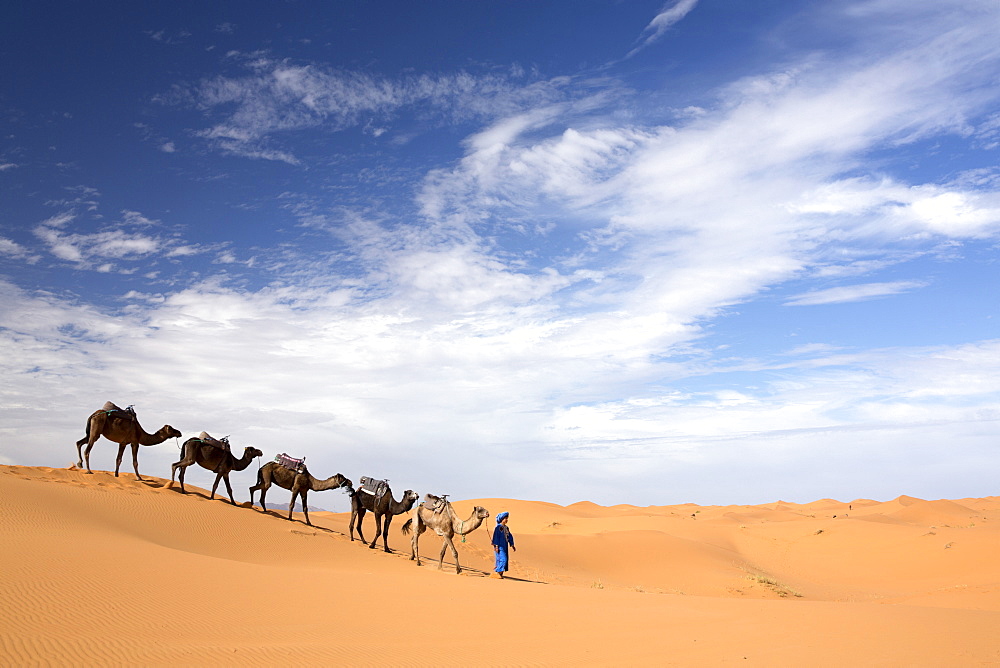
(291, 463)
(221, 443)
(127, 413)
(436, 504)
(375, 487)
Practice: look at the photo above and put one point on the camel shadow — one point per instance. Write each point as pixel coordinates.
(279, 516)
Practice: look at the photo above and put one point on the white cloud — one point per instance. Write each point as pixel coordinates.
(16, 251)
(279, 96)
(671, 13)
(853, 293)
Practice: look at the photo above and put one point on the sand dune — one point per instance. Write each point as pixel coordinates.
(101, 570)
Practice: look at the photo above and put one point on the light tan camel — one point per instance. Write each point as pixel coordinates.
(299, 483)
(445, 523)
(210, 456)
(122, 427)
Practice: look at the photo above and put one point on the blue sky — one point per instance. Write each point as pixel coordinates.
(630, 252)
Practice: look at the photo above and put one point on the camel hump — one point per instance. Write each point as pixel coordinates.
(205, 437)
(109, 406)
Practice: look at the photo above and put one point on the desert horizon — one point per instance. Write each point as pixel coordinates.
(103, 570)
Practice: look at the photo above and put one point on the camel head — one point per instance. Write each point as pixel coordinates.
(410, 495)
(252, 452)
(481, 513)
(168, 432)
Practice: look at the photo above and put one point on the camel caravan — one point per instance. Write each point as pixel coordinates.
(121, 426)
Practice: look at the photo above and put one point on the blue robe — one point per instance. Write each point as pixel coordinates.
(501, 538)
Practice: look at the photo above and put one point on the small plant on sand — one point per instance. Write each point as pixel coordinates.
(772, 584)
(597, 584)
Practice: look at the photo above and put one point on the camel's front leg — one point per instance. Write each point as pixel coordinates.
(305, 507)
(229, 488)
(385, 532)
(135, 460)
(218, 478)
(454, 552)
(378, 529)
(444, 546)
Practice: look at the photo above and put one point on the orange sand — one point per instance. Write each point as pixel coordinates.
(99, 571)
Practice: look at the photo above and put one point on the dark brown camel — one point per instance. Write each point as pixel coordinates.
(445, 523)
(382, 506)
(122, 427)
(299, 483)
(215, 459)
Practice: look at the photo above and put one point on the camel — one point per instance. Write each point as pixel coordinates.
(298, 482)
(213, 458)
(445, 523)
(122, 427)
(382, 506)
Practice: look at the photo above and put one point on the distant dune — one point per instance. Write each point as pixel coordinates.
(101, 570)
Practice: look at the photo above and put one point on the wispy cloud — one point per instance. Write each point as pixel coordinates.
(854, 293)
(122, 241)
(278, 96)
(671, 13)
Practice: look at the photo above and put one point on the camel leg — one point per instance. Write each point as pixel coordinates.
(180, 477)
(385, 532)
(135, 460)
(263, 490)
(444, 548)
(361, 517)
(118, 459)
(93, 432)
(218, 477)
(415, 541)
(378, 529)
(454, 551)
(86, 454)
(263, 493)
(79, 451)
(229, 488)
(305, 508)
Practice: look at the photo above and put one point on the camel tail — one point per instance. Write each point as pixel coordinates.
(406, 526)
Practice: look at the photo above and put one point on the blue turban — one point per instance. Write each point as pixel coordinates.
(502, 516)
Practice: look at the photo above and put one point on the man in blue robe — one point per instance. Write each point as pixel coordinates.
(501, 539)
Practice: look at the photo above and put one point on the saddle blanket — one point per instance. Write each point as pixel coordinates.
(297, 465)
(374, 487)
